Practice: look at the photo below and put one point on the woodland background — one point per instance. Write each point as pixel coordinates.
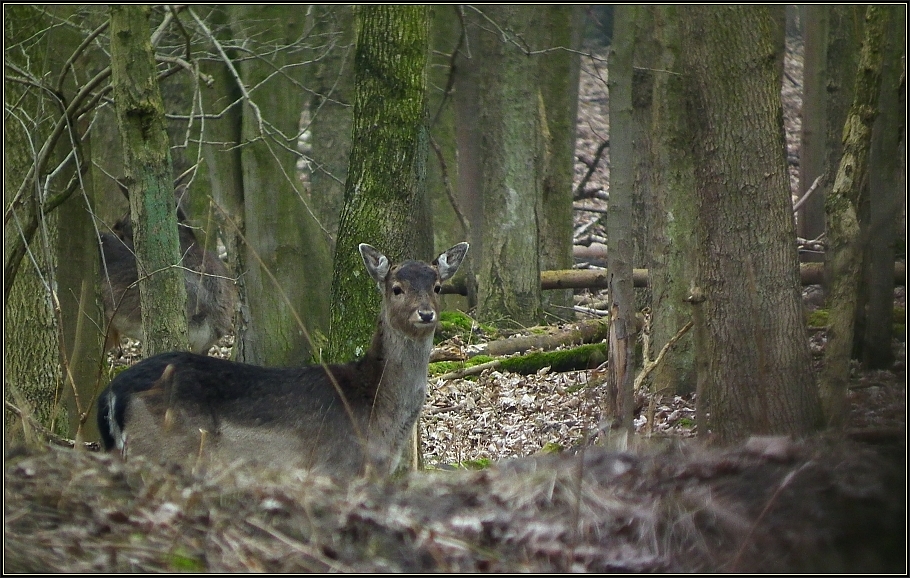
(303, 130)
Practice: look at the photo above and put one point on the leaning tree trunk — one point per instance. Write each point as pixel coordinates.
(148, 176)
(754, 367)
(844, 255)
(385, 202)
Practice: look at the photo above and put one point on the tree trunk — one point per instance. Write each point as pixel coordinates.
(844, 255)
(445, 84)
(385, 202)
(619, 220)
(286, 259)
(508, 271)
(558, 68)
(31, 354)
(331, 111)
(148, 176)
(222, 161)
(886, 192)
(468, 134)
(754, 367)
(674, 210)
(812, 150)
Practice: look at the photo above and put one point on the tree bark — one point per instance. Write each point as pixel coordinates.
(558, 68)
(886, 192)
(385, 202)
(753, 362)
(148, 176)
(844, 256)
(286, 260)
(675, 215)
(511, 151)
(31, 354)
(811, 216)
(331, 112)
(623, 332)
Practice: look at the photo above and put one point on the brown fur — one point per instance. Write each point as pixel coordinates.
(339, 419)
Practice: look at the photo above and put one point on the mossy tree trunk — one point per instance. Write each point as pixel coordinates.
(674, 212)
(385, 202)
(148, 176)
(511, 154)
(886, 195)
(843, 259)
(753, 362)
(286, 259)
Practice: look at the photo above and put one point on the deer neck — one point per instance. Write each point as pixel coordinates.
(401, 363)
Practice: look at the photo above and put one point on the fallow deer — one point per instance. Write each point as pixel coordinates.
(339, 419)
(211, 295)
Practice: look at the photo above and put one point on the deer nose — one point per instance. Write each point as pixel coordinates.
(426, 316)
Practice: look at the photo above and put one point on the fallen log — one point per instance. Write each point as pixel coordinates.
(588, 331)
(810, 274)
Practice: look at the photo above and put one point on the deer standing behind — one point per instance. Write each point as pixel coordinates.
(210, 294)
(341, 419)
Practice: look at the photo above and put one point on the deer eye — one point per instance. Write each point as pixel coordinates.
(437, 289)
(397, 290)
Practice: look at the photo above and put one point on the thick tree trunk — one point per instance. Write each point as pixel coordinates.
(148, 175)
(286, 255)
(508, 269)
(844, 254)
(559, 70)
(385, 202)
(754, 367)
(886, 194)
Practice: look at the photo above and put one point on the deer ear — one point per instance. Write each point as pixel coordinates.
(448, 262)
(376, 263)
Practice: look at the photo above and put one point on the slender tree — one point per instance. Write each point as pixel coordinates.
(385, 203)
(619, 222)
(558, 68)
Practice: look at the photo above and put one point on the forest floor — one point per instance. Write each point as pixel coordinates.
(546, 499)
